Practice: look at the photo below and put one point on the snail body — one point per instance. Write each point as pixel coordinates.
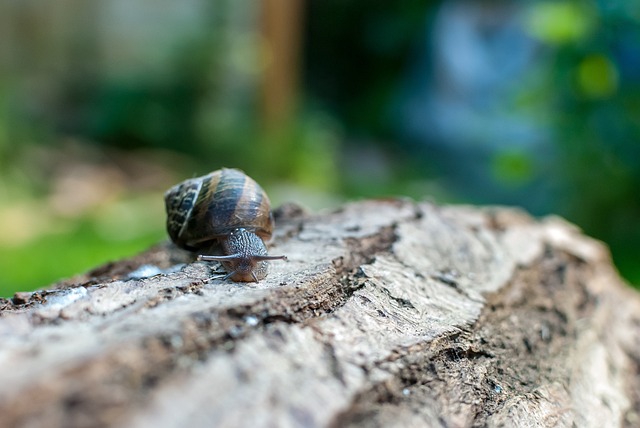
(228, 208)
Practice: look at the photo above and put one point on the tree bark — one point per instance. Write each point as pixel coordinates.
(387, 313)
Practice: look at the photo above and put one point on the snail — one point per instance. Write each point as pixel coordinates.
(226, 208)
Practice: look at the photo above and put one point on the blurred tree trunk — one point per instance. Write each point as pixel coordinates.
(387, 313)
(282, 39)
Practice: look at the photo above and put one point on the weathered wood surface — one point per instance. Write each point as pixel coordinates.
(388, 313)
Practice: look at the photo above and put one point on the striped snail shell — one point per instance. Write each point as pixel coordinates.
(224, 207)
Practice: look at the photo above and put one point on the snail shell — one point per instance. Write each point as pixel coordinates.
(226, 207)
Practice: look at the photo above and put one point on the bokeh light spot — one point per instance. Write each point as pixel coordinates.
(597, 77)
(559, 23)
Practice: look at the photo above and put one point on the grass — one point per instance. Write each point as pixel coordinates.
(54, 257)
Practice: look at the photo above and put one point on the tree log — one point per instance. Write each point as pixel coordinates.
(387, 313)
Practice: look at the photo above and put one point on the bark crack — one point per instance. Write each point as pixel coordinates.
(476, 367)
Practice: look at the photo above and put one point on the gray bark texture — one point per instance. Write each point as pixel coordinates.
(387, 314)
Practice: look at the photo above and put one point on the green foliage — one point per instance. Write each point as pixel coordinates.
(514, 168)
(341, 143)
(71, 247)
(561, 22)
(592, 95)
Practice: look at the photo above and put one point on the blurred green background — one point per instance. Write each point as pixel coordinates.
(106, 104)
